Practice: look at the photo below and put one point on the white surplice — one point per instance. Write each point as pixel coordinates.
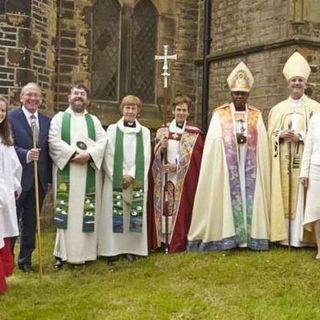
(110, 243)
(173, 148)
(10, 172)
(3, 196)
(173, 158)
(72, 244)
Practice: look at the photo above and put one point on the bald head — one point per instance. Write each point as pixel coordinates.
(31, 85)
(31, 96)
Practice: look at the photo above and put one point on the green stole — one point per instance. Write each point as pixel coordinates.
(63, 182)
(136, 206)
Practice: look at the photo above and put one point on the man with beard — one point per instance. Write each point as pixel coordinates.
(287, 127)
(231, 206)
(77, 142)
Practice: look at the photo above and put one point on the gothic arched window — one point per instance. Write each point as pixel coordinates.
(144, 43)
(106, 50)
(124, 46)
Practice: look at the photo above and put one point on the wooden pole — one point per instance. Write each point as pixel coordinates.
(36, 184)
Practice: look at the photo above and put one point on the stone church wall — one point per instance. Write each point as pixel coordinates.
(27, 33)
(177, 27)
(263, 34)
(50, 42)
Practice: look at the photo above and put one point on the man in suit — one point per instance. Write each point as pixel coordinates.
(21, 120)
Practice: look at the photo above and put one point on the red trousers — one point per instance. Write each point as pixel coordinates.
(6, 264)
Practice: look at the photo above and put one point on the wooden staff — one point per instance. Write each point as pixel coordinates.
(165, 75)
(290, 184)
(36, 186)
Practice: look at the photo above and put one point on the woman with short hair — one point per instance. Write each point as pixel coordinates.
(123, 221)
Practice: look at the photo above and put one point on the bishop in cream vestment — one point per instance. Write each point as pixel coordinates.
(288, 124)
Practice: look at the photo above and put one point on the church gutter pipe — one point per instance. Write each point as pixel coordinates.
(58, 53)
(205, 70)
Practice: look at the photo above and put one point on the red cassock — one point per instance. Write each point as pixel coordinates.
(6, 264)
(191, 143)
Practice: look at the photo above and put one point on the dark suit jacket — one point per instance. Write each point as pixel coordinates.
(22, 136)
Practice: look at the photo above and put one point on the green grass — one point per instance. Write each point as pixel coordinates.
(239, 284)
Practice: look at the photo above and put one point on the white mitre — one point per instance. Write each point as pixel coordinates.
(241, 78)
(296, 66)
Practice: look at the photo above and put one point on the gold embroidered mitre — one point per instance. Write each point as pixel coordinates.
(296, 66)
(241, 78)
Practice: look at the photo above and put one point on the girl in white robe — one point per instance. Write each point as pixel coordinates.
(10, 189)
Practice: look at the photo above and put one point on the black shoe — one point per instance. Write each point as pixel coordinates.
(130, 257)
(58, 264)
(25, 268)
(111, 260)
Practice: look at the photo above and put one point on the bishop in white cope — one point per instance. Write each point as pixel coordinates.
(231, 206)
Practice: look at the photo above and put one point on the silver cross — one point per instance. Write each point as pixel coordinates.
(165, 67)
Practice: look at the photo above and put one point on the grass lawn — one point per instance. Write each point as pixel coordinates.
(238, 284)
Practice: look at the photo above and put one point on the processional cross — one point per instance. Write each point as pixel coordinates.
(166, 58)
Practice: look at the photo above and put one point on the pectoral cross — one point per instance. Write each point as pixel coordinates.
(175, 136)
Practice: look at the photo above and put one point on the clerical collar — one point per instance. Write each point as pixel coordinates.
(130, 124)
(179, 125)
(241, 110)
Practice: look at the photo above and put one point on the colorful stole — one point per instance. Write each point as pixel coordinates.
(63, 182)
(231, 151)
(188, 141)
(136, 207)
